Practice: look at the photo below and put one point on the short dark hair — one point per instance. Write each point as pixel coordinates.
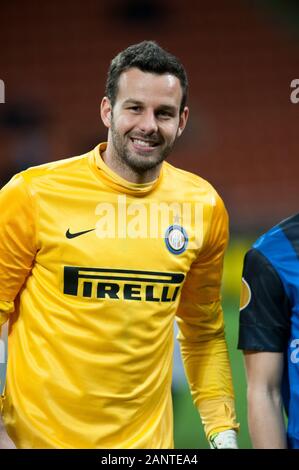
(147, 56)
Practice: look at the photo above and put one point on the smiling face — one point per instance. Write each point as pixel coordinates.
(144, 123)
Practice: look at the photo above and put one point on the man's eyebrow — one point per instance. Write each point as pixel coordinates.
(162, 107)
(132, 101)
(167, 107)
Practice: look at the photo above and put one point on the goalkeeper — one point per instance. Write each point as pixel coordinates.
(91, 291)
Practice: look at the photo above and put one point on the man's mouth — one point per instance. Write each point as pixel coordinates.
(144, 144)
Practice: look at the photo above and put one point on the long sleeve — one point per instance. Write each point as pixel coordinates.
(17, 237)
(201, 330)
(17, 242)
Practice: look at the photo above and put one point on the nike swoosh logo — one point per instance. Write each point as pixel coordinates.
(68, 234)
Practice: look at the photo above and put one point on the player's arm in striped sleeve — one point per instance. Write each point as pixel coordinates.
(263, 336)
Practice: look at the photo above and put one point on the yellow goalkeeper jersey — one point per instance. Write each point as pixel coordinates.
(93, 271)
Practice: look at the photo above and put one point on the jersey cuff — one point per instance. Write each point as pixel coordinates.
(218, 414)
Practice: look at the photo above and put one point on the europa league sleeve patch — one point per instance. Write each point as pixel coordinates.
(245, 294)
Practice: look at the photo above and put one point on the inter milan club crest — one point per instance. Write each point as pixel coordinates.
(176, 239)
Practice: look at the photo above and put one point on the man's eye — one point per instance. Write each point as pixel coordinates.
(135, 108)
(164, 114)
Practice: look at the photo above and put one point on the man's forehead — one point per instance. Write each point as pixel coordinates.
(134, 82)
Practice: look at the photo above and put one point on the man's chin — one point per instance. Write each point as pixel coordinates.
(144, 162)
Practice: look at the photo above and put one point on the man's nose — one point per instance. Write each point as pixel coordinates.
(148, 122)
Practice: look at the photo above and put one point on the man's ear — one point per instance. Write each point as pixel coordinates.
(106, 111)
(183, 121)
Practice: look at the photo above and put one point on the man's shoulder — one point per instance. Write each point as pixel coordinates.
(278, 233)
(55, 168)
(290, 227)
(188, 179)
(280, 244)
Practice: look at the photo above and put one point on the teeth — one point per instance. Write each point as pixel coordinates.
(143, 143)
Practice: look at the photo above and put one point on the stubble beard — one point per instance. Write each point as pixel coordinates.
(137, 163)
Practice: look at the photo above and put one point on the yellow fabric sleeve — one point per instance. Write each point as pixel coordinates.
(206, 362)
(201, 330)
(218, 410)
(5, 309)
(17, 236)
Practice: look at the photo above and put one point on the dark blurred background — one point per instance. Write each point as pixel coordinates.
(241, 57)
